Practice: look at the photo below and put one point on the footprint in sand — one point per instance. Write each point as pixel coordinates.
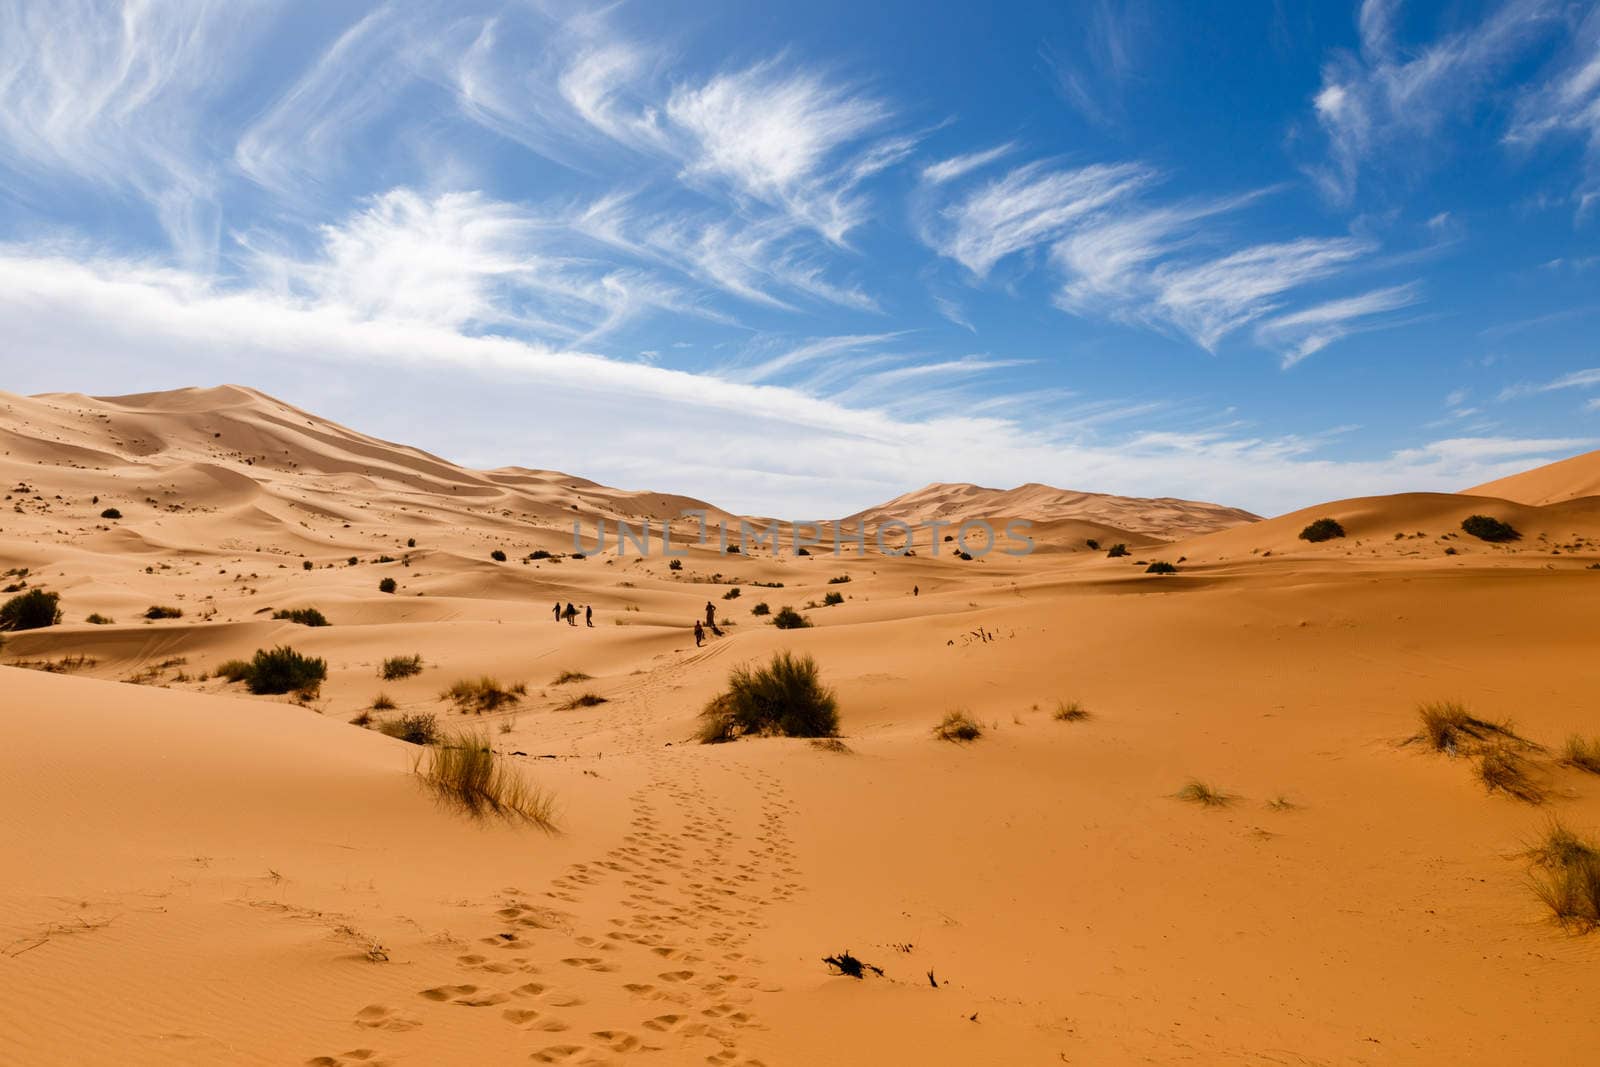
(465, 995)
(364, 1057)
(379, 1017)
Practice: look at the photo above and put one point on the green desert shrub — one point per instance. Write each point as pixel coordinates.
(1117, 551)
(958, 726)
(283, 670)
(839, 580)
(1161, 567)
(94, 618)
(789, 619)
(465, 771)
(303, 616)
(419, 729)
(388, 585)
(111, 513)
(162, 611)
(539, 553)
(675, 565)
(306, 564)
(401, 667)
(32, 610)
(1322, 530)
(498, 555)
(1487, 528)
(761, 609)
(784, 697)
(832, 598)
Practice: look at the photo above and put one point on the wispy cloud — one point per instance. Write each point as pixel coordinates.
(1578, 379)
(1091, 71)
(946, 170)
(1310, 330)
(1567, 103)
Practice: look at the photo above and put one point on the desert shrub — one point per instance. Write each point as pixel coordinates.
(1502, 770)
(789, 619)
(761, 609)
(161, 611)
(957, 726)
(111, 513)
(283, 670)
(538, 553)
(840, 580)
(675, 565)
(383, 702)
(1449, 728)
(832, 598)
(1117, 551)
(1161, 567)
(1322, 530)
(352, 561)
(1198, 792)
(583, 700)
(785, 697)
(401, 667)
(305, 565)
(963, 554)
(233, 670)
(303, 616)
(1567, 877)
(570, 676)
(411, 542)
(482, 694)
(465, 771)
(420, 729)
(388, 585)
(732, 594)
(1092, 544)
(1486, 528)
(498, 555)
(32, 610)
(1582, 754)
(362, 718)
(579, 555)
(94, 618)
(1070, 711)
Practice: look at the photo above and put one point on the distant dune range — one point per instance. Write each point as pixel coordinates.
(195, 875)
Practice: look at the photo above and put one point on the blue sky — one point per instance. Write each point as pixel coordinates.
(799, 258)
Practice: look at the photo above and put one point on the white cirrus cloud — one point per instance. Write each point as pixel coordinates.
(1308, 331)
(1566, 103)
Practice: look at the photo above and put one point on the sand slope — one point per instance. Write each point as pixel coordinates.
(1567, 479)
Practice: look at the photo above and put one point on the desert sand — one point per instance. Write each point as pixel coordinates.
(196, 875)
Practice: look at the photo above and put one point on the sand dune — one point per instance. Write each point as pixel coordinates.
(1567, 479)
(197, 875)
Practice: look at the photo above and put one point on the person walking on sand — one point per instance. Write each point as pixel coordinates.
(571, 614)
(588, 614)
(558, 611)
(699, 634)
(711, 614)
(914, 591)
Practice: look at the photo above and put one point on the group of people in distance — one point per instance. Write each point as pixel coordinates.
(570, 613)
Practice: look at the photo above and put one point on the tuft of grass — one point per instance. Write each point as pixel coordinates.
(465, 771)
(1448, 727)
(363, 718)
(1281, 804)
(233, 670)
(846, 964)
(957, 726)
(571, 676)
(419, 729)
(1198, 792)
(162, 611)
(96, 619)
(32, 610)
(303, 616)
(583, 700)
(1582, 754)
(831, 744)
(839, 580)
(1322, 530)
(789, 619)
(482, 694)
(1070, 711)
(283, 670)
(1566, 877)
(785, 697)
(832, 598)
(396, 667)
(1502, 770)
(383, 702)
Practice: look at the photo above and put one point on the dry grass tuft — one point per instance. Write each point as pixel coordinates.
(396, 667)
(465, 771)
(1582, 754)
(1449, 728)
(483, 694)
(1070, 711)
(583, 700)
(1567, 877)
(1502, 770)
(419, 729)
(957, 726)
(382, 702)
(784, 697)
(831, 744)
(1198, 792)
(571, 676)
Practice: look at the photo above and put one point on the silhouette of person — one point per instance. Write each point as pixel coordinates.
(711, 614)
(699, 634)
(588, 615)
(558, 611)
(914, 591)
(571, 614)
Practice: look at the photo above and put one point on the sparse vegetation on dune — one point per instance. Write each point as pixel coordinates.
(111, 513)
(1322, 530)
(388, 585)
(1117, 551)
(957, 726)
(1161, 566)
(1488, 528)
(32, 610)
(831, 598)
(570, 676)
(418, 729)
(732, 594)
(1198, 792)
(401, 667)
(789, 619)
(1449, 727)
(1070, 711)
(283, 670)
(383, 702)
(233, 670)
(302, 616)
(1502, 770)
(498, 555)
(761, 609)
(583, 700)
(784, 697)
(161, 611)
(1566, 877)
(94, 618)
(1582, 754)
(483, 694)
(464, 770)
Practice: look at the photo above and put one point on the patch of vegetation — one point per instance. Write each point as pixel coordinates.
(388, 585)
(538, 553)
(732, 594)
(846, 964)
(786, 697)
(1502, 770)
(233, 670)
(1161, 567)
(1584, 755)
(1567, 878)
(1487, 528)
(161, 611)
(383, 702)
(583, 700)
(761, 609)
(571, 676)
(830, 744)
(839, 580)
(498, 555)
(675, 565)
(957, 726)
(1198, 792)
(111, 513)
(363, 718)
(283, 670)
(419, 729)
(1092, 545)
(64, 665)
(1322, 530)
(1449, 728)
(832, 598)
(1117, 551)
(305, 565)
(1070, 711)
(94, 618)
(401, 667)
(465, 771)
(789, 619)
(32, 610)
(482, 694)
(303, 616)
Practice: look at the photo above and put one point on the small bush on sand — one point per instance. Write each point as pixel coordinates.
(111, 513)
(482, 694)
(1567, 877)
(97, 619)
(306, 564)
(957, 726)
(1502, 770)
(761, 609)
(832, 598)
(1449, 728)
(570, 676)
(1584, 755)
(1198, 792)
(1486, 528)
(32, 610)
(388, 585)
(539, 553)
(401, 667)
(840, 580)
(498, 555)
(363, 718)
(1092, 545)
(1161, 567)
(1070, 711)
(789, 619)
(1322, 530)
(464, 770)
(420, 729)
(784, 697)
(383, 702)
(233, 670)
(732, 594)
(161, 611)
(583, 700)
(303, 616)
(283, 670)
(1116, 551)
(675, 565)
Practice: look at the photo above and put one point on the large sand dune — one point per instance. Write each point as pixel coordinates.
(195, 875)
